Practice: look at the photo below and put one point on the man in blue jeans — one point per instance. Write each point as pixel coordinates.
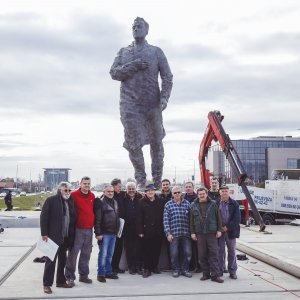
(106, 228)
(176, 227)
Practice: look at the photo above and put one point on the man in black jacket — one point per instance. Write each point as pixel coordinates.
(57, 220)
(107, 224)
(119, 196)
(132, 240)
(8, 201)
(150, 229)
(231, 219)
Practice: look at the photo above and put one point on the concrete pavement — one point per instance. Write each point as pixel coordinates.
(256, 280)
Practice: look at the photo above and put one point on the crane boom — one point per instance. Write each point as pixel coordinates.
(215, 131)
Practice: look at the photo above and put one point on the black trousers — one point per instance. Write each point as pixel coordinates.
(194, 263)
(117, 254)
(133, 246)
(61, 257)
(151, 251)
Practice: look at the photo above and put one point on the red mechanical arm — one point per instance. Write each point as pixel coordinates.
(215, 131)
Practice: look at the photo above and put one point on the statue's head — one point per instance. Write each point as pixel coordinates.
(140, 28)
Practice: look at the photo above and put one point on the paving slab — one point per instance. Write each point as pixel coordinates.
(279, 246)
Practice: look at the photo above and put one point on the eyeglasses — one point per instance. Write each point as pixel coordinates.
(176, 193)
(67, 191)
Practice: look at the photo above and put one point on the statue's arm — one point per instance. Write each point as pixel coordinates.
(166, 76)
(120, 71)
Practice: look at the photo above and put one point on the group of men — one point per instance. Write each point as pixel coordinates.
(194, 227)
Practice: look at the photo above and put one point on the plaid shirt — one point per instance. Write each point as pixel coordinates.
(176, 218)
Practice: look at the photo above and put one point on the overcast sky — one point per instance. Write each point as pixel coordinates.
(60, 107)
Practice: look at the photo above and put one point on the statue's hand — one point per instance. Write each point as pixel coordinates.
(164, 103)
(140, 64)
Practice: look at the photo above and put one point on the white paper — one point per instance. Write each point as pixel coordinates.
(48, 248)
(122, 222)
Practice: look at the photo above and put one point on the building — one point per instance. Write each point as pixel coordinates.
(53, 176)
(259, 156)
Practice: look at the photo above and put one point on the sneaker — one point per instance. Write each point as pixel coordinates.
(233, 276)
(101, 278)
(186, 274)
(86, 280)
(217, 279)
(71, 282)
(175, 274)
(112, 276)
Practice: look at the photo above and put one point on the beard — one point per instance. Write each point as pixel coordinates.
(66, 197)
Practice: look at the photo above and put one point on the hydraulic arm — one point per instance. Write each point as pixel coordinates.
(216, 132)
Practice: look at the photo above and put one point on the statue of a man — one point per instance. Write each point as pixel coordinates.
(142, 101)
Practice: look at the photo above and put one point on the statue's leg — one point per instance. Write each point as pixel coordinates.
(157, 157)
(137, 159)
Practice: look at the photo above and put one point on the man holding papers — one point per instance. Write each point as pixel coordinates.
(57, 220)
(107, 225)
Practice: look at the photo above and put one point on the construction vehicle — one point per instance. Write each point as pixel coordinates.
(216, 132)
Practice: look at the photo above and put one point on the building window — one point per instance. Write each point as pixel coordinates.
(293, 163)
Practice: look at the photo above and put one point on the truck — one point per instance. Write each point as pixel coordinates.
(277, 203)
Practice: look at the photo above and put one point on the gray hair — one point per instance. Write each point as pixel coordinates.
(130, 184)
(64, 184)
(176, 187)
(107, 186)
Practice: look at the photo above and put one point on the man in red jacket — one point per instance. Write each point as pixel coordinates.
(84, 205)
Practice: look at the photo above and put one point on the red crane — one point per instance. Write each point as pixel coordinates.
(216, 132)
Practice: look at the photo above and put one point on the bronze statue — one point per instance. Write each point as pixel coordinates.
(142, 101)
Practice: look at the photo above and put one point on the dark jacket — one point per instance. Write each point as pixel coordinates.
(233, 224)
(106, 216)
(205, 222)
(150, 217)
(8, 198)
(214, 195)
(190, 198)
(130, 227)
(119, 197)
(165, 197)
(51, 219)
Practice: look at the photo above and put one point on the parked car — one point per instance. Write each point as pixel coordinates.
(23, 194)
(3, 194)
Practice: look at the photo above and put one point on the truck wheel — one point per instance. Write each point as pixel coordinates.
(268, 219)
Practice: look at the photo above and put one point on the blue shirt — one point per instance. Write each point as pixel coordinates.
(176, 218)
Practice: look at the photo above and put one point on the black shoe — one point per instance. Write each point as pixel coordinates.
(217, 279)
(198, 270)
(101, 278)
(205, 277)
(139, 271)
(118, 271)
(132, 271)
(85, 280)
(146, 273)
(233, 276)
(225, 271)
(112, 276)
(156, 270)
